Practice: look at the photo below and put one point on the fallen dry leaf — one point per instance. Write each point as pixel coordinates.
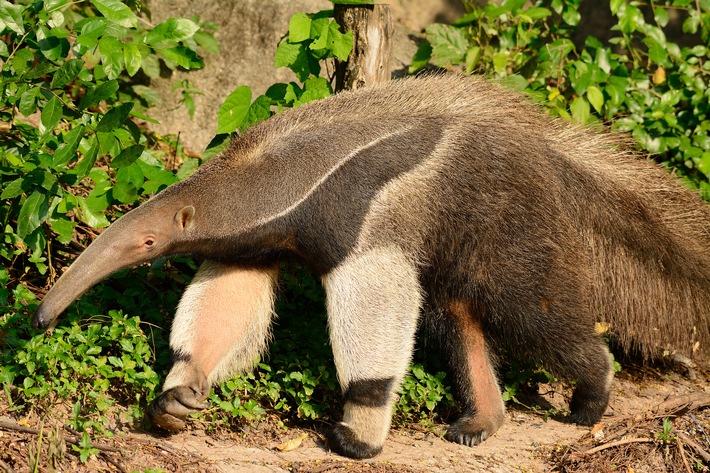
(292, 444)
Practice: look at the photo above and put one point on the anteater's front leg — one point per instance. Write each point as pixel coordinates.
(221, 327)
(374, 299)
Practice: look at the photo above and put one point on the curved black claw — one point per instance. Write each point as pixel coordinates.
(343, 441)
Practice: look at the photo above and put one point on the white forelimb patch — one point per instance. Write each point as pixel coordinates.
(222, 323)
(373, 300)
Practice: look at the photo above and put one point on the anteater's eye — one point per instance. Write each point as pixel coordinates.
(149, 243)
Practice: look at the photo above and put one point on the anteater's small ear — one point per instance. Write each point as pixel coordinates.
(184, 217)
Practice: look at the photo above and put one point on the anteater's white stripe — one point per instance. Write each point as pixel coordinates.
(325, 177)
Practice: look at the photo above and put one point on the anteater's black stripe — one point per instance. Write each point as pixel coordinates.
(369, 392)
(179, 355)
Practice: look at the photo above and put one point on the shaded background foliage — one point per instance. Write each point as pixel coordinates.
(75, 154)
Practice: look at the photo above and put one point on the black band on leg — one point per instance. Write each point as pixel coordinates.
(178, 355)
(369, 392)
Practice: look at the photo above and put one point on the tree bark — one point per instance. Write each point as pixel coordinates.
(369, 61)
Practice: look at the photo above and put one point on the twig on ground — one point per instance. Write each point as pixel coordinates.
(692, 444)
(115, 463)
(71, 440)
(616, 444)
(682, 455)
(5, 468)
(164, 446)
(681, 404)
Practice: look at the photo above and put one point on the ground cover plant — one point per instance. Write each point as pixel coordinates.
(74, 155)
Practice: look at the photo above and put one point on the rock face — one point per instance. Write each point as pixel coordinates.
(249, 31)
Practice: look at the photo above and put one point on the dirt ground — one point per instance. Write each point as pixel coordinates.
(629, 439)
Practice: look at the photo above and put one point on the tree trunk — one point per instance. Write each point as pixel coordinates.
(368, 63)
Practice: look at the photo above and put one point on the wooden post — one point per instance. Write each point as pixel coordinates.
(369, 61)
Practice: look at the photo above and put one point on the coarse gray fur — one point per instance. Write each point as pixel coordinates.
(444, 199)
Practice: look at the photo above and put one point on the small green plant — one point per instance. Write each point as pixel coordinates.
(85, 448)
(665, 436)
(422, 395)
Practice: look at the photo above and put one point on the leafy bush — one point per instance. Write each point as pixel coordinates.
(311, 40)
(71, 149)
(641, 82)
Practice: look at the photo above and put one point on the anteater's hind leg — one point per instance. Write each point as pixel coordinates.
(589, 364)
(374, 300)
(221, 326)
(564, 338)
(463, 339)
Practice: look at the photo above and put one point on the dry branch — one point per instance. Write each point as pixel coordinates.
(11, 426)
(616, 444)
(682, 455)
(679, 405)
(694, 445)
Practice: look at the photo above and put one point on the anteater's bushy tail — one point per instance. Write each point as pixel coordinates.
(649, 239)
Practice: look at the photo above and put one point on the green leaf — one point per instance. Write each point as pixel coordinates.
(92, 217)
(295, 57)
(473, 57)
(234, 110)
(117, 12)
(704, 163)
(340, 43)
(595, 97)
(28, 101)
(500, 61)
(173, 30)
(11, 16)
(259, 111)
(537, 13)
(125, 192)
(67, 149)
(52, 43)
(449, 44)
(602, 60)
(69, 70)
(656, 52)
(132, 58)
(580, 110)
(615, 5)
(514, 82)
(630, 19)
(183, 57)
(571, 16)
(219, 144)
(661, 16)
(112, 57)
(14, 188)
(315, 88)
(114, 118)
(95, 95)
(299, 28)
(87, 162)
(132, 174)
(51, 114)
(32, 213)
(690, 25)
(422, 57)
(128, 156)
(207, 41)
(64, 228)
(151, 66)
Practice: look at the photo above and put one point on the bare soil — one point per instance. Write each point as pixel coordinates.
(630, 438)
